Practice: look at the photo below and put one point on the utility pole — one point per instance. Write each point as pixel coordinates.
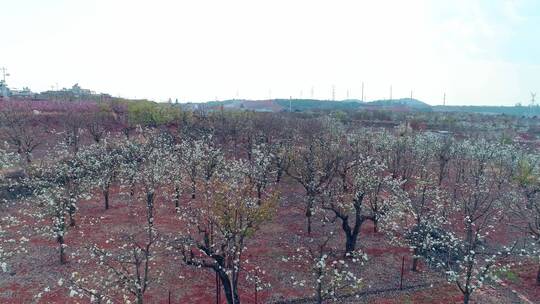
(444, 99)
(3, 84)
(290, 104)
(533, 103)
(4, 74)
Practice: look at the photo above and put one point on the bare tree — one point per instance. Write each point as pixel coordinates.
(21, 128)
(96, 123)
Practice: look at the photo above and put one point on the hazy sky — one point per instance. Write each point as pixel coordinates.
(478, 52)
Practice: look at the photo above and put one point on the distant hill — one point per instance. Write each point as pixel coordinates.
(396, 105)
(409, 102)
(301, 105)
(278, 105)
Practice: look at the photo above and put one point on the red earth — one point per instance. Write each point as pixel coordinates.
(40, 267)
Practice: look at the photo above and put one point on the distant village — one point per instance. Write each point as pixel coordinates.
(76, 92)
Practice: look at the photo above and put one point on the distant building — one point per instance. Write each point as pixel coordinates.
(24, 93)
(4, 90)
(76, 92)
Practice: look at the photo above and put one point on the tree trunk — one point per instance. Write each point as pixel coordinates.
(231, 292)
(441, 173)
(319, 293)
(60, 240)
(466, 297)
(375, 228)
(150, 206)
(308, 215)
(71, 218)
(350, 244)
(415, 260)
(309, 212)
(538, 276)
(351, 235)
(140, 299)
(176, 198)
(259, 195)
(106, 196)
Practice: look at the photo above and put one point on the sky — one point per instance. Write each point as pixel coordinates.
(478, 52)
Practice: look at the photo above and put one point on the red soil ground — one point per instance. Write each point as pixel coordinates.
(40, 267)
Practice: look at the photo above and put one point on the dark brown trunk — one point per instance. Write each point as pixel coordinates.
(309, 212)
(538, 276)
(466, 298)
(71, 218)
(60, 240)
(106, 197)
(350, 244)
(176, 198)
(351, 235)
(231, 293)
(308, 215)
